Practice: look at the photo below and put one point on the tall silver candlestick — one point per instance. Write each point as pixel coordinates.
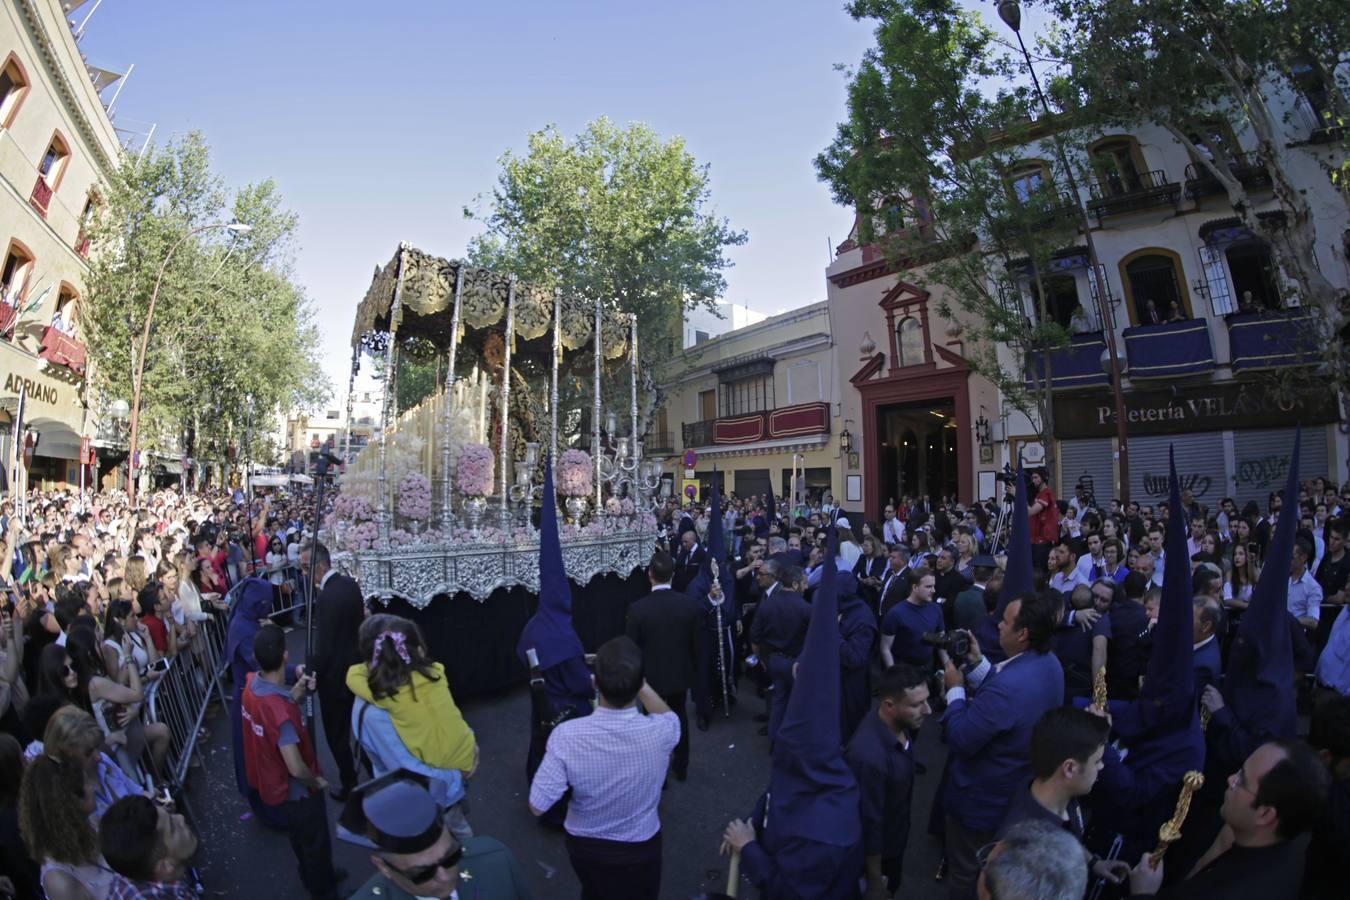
(553, 384)
(449, 410)
(506, 397)
(382, 516)
(596, 450)
(633, 365)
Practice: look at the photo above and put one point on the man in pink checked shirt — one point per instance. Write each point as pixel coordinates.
(614, 760)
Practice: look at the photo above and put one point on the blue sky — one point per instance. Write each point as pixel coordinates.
(380, 121)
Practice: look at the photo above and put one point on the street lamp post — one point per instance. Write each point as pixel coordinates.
(1010, 11)
(234, 228)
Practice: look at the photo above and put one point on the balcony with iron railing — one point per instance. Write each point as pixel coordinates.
(659, 443)
(1246, 168)
(1044, 209)
(1118, 193)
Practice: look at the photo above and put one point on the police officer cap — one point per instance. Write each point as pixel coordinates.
(984, 561)
(396, 813)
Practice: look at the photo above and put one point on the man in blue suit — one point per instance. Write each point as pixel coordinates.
(989, 733)
(1206, 663)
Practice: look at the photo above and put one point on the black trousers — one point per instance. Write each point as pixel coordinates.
(306, 824)
(679, 703)
(335, 707)
(963, 871)
(616, 870)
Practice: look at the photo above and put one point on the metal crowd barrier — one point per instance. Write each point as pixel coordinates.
(182, 696)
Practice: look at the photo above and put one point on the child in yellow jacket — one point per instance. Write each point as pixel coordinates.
(400, 678)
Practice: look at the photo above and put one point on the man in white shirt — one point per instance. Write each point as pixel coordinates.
(1156, 551)
(1092, 565)
(1305, 594)
(892, 530)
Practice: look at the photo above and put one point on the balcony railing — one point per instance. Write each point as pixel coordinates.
(1169, 350)
(63, 350)
(1122, 194)
(698, 434)
(41, 197)
(801, 420)
(1077, 365)
(9, 317)
(1272, 340)
(1246, 168)
(659, 443)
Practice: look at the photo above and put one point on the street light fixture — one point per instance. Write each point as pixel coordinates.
(1010, 11)
(235, 228)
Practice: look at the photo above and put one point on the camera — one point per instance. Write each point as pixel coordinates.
(956, 643)
(1007, 475)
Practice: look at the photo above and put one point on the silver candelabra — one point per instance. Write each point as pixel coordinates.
(525, 488)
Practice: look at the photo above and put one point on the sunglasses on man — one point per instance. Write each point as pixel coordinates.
(422, 874)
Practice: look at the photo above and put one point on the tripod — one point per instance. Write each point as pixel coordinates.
(1003, 509)
(321, 477)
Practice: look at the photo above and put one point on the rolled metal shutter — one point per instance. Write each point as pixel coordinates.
(1199, 466)
(1087, 462)
(1261, 461)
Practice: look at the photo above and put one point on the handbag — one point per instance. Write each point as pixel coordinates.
(352, 817)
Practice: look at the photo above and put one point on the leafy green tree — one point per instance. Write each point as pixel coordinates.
(616, 213)
(927, 156)
(233, 338)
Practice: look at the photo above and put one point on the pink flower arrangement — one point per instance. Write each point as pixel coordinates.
(475, 473)
(575, 474)
(414, 496)
(352, 508)
(361, 537)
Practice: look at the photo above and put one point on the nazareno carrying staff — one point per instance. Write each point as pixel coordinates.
(560, 682)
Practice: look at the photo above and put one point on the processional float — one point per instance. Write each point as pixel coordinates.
(440, 501)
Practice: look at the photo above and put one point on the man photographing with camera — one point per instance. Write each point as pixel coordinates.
(989, 733)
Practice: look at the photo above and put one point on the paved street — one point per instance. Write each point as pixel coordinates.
(728, 769)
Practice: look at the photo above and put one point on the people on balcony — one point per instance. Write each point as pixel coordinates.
(1079, 323)
(1175, 313)
(1149, 315)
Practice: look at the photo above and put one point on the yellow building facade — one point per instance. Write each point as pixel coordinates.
(754, 404)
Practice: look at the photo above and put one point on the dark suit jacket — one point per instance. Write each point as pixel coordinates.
(687, 565)
(667, 625)
(341, 612)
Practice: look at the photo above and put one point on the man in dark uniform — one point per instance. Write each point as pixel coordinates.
(667, 626)
(779, 629)
(719, 602)
(1158, 736)
(340, 611)
(882, 758)
(804, 839)
(416, 856)
(857, 645)
(568, 690)
(688, 559)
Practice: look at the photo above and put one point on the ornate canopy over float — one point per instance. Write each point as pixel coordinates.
(441, 501)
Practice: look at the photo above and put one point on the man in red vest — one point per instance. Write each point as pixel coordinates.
(281, 764)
